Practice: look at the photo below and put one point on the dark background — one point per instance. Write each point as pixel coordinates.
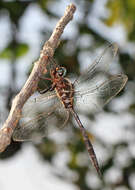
(24, 27)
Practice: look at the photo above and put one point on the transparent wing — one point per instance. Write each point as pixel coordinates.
(40, 115)
(38, 103)
(96, 86)
(97, 70)
(91, 100)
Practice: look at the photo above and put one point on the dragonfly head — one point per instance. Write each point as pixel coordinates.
(58, 72)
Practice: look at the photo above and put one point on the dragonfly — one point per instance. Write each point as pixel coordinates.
(88, 93)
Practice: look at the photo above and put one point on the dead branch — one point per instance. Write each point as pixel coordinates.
(31, 84)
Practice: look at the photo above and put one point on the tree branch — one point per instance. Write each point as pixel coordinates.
(32, 82)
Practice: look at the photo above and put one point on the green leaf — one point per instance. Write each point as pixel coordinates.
(15, 51)
(6, 53)
(21, 50)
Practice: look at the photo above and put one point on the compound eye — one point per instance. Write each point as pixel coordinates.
(61, 72)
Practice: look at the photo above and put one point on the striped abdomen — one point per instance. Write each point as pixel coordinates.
(65, 91)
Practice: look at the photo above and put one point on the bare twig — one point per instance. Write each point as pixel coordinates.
(31, 84)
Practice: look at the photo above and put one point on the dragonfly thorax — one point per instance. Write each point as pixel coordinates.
(63, 86)
(65, 91)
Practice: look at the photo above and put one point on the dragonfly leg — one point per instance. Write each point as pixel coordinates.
(44, 78)
(87, 143)
(43, 91)
(50, 88)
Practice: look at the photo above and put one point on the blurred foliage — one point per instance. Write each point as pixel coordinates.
(15, 9)
(47, 149)
(19, 50)
(120, 12)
